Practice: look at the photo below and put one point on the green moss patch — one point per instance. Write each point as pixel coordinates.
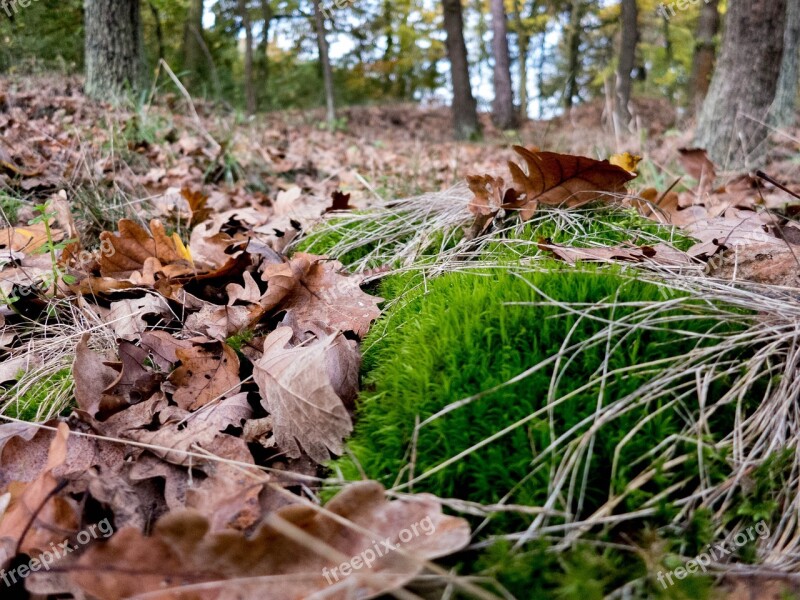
(477, 348)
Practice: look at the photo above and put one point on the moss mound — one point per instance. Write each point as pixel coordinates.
(472, 335)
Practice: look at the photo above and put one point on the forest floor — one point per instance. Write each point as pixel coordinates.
(158, 319)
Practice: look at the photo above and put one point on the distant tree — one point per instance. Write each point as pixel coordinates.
(577, 10)
(732, 125)
(785, 106)
(465, 112)
(325, 62)
(114, 48)
(192, 50)
(503, 113)
(627, 59)
(704, 52)
(251, 104)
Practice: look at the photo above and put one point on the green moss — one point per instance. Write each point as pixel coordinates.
(472, 332)
(334, 231)
(33, 402)
(238, 340)
(9, 207)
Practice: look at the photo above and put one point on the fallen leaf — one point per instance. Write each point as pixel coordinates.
(43, 518)
(208, 371)
(296, 540)
(341, 201)
(134, 248)
(126, 317)
(659, 254)
(562, 179)
(29, 238)
(626, 160)
(313, 289)
(297, 387)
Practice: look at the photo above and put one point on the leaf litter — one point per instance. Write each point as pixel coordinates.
(228, 369)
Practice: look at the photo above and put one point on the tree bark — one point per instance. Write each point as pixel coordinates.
(325, 63)
(193, 56)
(249, 89)
(732, 123)
(577, 10)
(704, 52)
(159, 29)
(627, 59)
(465, 112)
(503, 114)
(523, 46)
(114, 48)
(785, 107)
(266, 12)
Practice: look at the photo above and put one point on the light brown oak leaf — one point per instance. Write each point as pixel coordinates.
(299, 388)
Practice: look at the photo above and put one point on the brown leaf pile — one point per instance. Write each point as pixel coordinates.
(229, 358)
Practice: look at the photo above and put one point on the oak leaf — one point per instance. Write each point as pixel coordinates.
(312, 289)
(299, 388)
(35, 512)
(208, 372)
(288, 557)
(29, 238)
(562, 179)
(137, 250)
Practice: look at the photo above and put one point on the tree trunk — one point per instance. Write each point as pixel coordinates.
(503, 113)
(627, 59)
(573, 51)
(249, 89)
(732, 124)
(325, 62)
(159, 29)
(784, 109)
(465, 113)
(523, 46)
(114, 49)
(387, 54)
(193, 55)
(704, 52)
(266, 12)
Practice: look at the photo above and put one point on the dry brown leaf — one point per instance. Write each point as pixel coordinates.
(562, 179)
(180, 430)
(134, 247)
(208, 371)
(162, 348)
(765, 263)
(340, 201)
(198, 204)
(93, 378)
(312, 289)
(734, 229)
(400, 535)
(43, 518)
(298, 387)
(29, 238)
(696, 163)
(126, 317)
(659, 254)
